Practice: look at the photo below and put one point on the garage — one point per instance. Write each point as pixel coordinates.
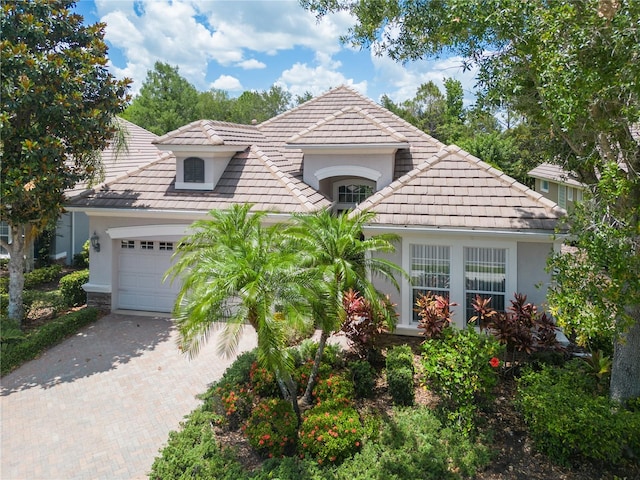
(142, 265)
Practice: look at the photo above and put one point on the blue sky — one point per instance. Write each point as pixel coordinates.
(238, 45)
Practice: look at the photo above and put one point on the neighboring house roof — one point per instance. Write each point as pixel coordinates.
(454, 189)
(432, 186)
(555, 173)
(139, 151)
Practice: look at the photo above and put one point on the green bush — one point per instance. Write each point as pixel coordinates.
(49, 334)
(337, 387)
(42, 275)
(34, 300)
(413, 444)
(81, 260)
(458, 367)
(330, 433)
(401, 388)
(263, 382)
(568, 420)
(302, 373)
(290, 468)
(193, 453)
(71, 288)
(363, 376)
(331, 355)
(399, 357)
(271, 428)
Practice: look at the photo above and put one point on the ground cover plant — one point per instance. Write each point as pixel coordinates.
(471, 417)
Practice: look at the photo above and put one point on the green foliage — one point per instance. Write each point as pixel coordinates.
(459, 369)
(401, 388)
(194, 453)
(44, 337)
(263, 382)
(35, 300)
(364, 378)
(400, 356)
(331, 355)
(166, 101)
(435, 314)
(9, 331)
(42, 275)
(337, 387)
(71, 288)
(272, 427)
(413, 444)
(81, 260)
(330, 432)
(568, 419)
(234, 401)
(362, 326)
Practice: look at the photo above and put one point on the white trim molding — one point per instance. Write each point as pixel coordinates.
(347, 171)
(141, 231)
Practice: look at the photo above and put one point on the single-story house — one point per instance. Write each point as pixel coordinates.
(465, 227)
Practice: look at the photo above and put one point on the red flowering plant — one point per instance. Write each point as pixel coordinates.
(338, 387)
(263, 381)
(330, 433)
(234, 402)
(435, 314)
(494, 362)
(271, 428)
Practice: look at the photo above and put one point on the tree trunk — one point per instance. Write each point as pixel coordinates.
(625, 371)
(15, 309)
(313, 378)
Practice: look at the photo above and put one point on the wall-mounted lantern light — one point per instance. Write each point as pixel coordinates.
(95, 241)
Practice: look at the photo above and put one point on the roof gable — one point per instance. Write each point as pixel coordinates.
(456, 190)
(212, 133)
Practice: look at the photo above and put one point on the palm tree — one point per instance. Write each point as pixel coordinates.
(338, 257)
(233, 270)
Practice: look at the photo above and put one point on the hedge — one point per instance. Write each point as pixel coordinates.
(16, 353)
(71, 288)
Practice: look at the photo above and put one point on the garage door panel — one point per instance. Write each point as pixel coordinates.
(140, 275)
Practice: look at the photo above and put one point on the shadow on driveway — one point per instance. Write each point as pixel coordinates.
(111, 341)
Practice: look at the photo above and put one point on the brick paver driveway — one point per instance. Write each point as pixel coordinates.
(101, 404)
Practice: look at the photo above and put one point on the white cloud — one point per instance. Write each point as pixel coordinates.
(227, 83)
(405, 79)
(301, 78)
(252, 64)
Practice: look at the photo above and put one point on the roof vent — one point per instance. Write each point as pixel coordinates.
(254, 121)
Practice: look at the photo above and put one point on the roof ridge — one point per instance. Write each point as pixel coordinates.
(283, 178)
(504, 178)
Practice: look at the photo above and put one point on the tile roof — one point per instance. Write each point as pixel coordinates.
(555, 173)
(454, 189)
(349, 125)
(433, 185)
(139, 152)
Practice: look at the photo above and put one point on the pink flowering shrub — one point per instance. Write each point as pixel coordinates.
(271, 428)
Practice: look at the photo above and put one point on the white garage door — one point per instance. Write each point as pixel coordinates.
(142, 265)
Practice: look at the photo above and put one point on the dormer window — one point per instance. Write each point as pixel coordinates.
(193, 170)
(347, 194)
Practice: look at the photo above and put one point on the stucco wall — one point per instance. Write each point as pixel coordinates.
(532, 277)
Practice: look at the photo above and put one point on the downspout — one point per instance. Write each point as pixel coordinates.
(73, 238)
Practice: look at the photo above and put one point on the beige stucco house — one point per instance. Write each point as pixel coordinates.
(465, 227)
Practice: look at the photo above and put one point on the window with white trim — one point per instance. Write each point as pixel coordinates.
(570, 194)
(5, 234)
(193, 170)
(544, 186)
(165, 246)
(430, 272)
(146, 245)
(127, 244)
(347, 194)
(485, 274)
(562, 196)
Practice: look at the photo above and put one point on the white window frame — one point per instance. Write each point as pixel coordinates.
(456, 279)
(544, 186)
(562, 196)
(430, 272)
(340, 206)
(485, 257)
(570, 194)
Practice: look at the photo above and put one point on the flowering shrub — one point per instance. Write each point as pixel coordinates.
(330, 432)
(461, 368)
(234, 402)
(263, 381)
(302, 373)
(338, 388)
(271, 428)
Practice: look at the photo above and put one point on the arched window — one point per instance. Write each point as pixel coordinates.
(347, 194)
(193, 170)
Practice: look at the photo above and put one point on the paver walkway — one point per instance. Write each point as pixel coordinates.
(101, 404)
